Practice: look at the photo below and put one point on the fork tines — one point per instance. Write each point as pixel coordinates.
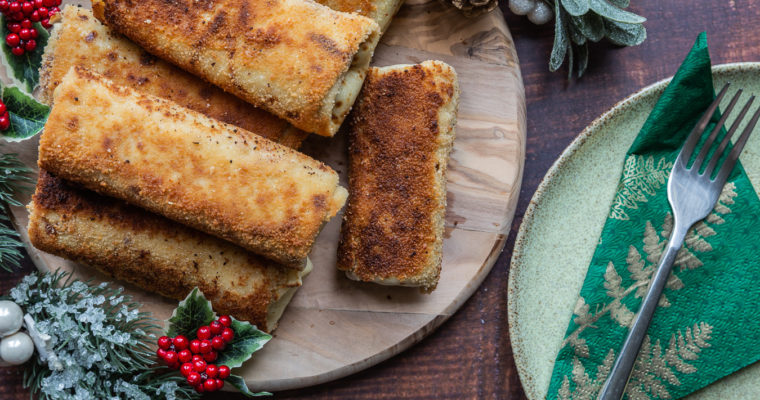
(696, 133)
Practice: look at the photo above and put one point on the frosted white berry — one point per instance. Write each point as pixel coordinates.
(541, 14)
(11, 317)
(16, 349)
(522, 7)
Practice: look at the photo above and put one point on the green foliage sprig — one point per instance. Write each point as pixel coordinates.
(14, 178)
(579, 22)
(102, 343)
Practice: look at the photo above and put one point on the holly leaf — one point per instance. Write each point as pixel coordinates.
(239, 383)
(248, 339)
(27, 115)
(24, 70)
(191, 313)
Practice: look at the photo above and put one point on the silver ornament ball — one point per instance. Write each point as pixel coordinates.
(11, 318)
(522, 7)
(16, 349)
(541, 14)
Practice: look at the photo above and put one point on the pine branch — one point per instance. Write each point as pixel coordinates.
(14, 178)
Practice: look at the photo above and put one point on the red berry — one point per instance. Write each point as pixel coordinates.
(197, 357)
(209, 385)
(4, 5)
(225, 320)
(199, 388)
(27, 8)
(217, 343)
(195, 346)
(58, 3)
(212, 371)
(194, 378)
(38, 3)
(3, 109)
(161, 353)
(204, 332)
(186, 369)
(46, 23)
(185, 356)
(12, 40)
(224, 371)
(199, 365)
(210, 356)
(47, 3)
(24, 34)
(16, 17)
(34, 33)
(164, 342)
(206, 346)
(30, 45)
(15, 28)
(54, 10)
(14, 7)
(43, 12)
(5, 122)
(228, 334)
(171, 357)
(35, 16)
(219, 384)
(180, 342)
(17, 51)
(26, 23)
(216, 327)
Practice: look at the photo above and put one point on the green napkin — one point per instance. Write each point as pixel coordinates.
(707, 324)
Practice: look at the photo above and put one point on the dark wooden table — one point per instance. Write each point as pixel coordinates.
(470, 355)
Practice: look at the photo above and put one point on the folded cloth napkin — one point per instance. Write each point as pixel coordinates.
(707, 324)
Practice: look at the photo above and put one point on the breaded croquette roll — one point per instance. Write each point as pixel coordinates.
(302, 61)
(401, 133)
(78, 39)
(382, 11)
(157, 254)
(265, 197)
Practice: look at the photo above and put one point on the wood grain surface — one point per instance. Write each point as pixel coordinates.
(469, 356)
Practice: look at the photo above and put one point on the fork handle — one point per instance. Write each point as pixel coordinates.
(614, 387)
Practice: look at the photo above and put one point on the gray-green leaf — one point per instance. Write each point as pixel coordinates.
(575, 35)
(582, 59)
(239, 383)
(27, 116)
(609, 11)
(190, 314)
(625, 34)
(621, 3)
(576, 7)
(25, 69)
(560, 39)
(590, 25)
(247, 340)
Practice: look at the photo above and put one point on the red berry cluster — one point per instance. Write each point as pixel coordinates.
(5, 118)
(19, 17)
(193, 357)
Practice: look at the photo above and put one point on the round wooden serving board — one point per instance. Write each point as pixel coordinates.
(334, 326)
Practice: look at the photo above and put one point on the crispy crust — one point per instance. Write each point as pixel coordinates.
(282, 55)
(81, 40)
(265, 197)
(400, 137)
(155, 253)
(382, 11)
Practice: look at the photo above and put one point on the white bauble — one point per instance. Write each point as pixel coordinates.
(541, 14)
(522, 7)
(16, 349)
(11, 318)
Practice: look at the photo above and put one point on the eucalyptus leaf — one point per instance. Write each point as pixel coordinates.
(576, 36)
(27, 115)
(611, 12)
(625, 34)
(576, 7)
(591, 25)
(190, 314)
(570, 61)
(621, 3)
(239, 383)
(582, 59)
(247, 340)
(559, 49)
(24, 70)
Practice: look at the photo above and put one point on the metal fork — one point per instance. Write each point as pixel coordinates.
(692, 195)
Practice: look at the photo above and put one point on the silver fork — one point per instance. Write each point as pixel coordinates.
(692, 195)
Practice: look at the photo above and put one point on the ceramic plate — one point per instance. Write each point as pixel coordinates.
(561, 226)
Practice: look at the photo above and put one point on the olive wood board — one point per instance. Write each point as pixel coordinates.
(334, 326)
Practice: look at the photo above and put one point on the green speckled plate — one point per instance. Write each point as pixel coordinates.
(563, 222)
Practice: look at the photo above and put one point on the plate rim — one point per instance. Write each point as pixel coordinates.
(616, 110)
